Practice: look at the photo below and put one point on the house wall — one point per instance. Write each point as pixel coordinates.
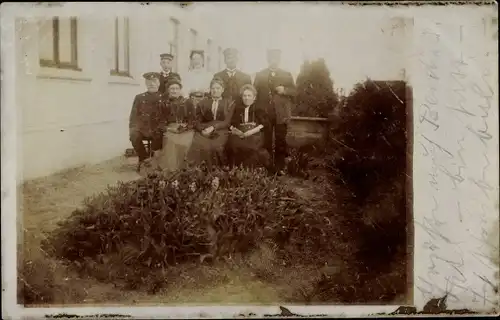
(68, 118)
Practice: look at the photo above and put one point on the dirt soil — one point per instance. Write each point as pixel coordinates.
(256, 280)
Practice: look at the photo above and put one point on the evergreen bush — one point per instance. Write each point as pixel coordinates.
(367, 157)
(315, 93)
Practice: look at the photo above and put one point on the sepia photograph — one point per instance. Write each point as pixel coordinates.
(230, 154)
(214, 154)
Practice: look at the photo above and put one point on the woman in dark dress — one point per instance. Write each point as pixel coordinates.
(246, 141)
(180, 128)
(213, 117)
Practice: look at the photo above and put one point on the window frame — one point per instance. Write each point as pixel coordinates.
(194, 39)
(219, 50)
(209, 54)
(115, 70)
(494, 28)
(174, 43)
(55, 62)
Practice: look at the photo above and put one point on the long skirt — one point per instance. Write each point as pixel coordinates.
(175, 150)
(208, 149)
(249, 151)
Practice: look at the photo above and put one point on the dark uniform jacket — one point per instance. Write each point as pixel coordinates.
(149, 114)
(205, 118)
(181, 110)
(232, 85)
(278, 106)
(165, 79)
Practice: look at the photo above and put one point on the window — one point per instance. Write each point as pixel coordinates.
(209, 55)
(58, 43)
(194, 39)
(494, 28)
(121, 48)
(219, 53)
(173, 40)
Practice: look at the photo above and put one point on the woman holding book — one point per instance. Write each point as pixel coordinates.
(213, 117)
(180, 128)
(246, 141)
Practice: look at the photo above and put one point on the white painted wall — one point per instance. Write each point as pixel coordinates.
(68, 118)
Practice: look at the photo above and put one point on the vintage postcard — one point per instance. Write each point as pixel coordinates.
(250, 159)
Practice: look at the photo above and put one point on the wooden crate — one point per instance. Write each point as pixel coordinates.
(306, 130)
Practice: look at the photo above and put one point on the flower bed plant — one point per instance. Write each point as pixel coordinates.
(193, 215)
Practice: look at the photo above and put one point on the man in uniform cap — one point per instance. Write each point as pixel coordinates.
(148, 118)
(166, 73)
(275, 93)
(233, 78)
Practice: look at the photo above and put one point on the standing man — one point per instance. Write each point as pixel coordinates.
(275, 93)
(233, 78)
(148, 118)
(166, 74)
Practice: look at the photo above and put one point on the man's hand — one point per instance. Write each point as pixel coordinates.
(280, 89)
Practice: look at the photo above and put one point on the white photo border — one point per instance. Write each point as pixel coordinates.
(434, 269)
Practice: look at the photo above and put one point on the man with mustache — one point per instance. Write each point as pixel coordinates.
(148, 118)
(233, 78)
(275, 94)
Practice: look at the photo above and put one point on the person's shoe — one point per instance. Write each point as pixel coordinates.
(281, 173)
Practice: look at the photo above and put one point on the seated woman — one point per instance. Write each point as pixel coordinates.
(246, 141)
(213, 116)
(179, 132)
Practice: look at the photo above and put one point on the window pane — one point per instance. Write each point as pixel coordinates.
(220, 57)
(114, 49)
(64, 40)
(173, 50)
(46, 39)
(171, 30)
(122, 41)
(209, 55)
(494, 27)
(126, 57)
(176, 31)
(194, 40)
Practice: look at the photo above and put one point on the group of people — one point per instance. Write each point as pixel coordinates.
(220, 119)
